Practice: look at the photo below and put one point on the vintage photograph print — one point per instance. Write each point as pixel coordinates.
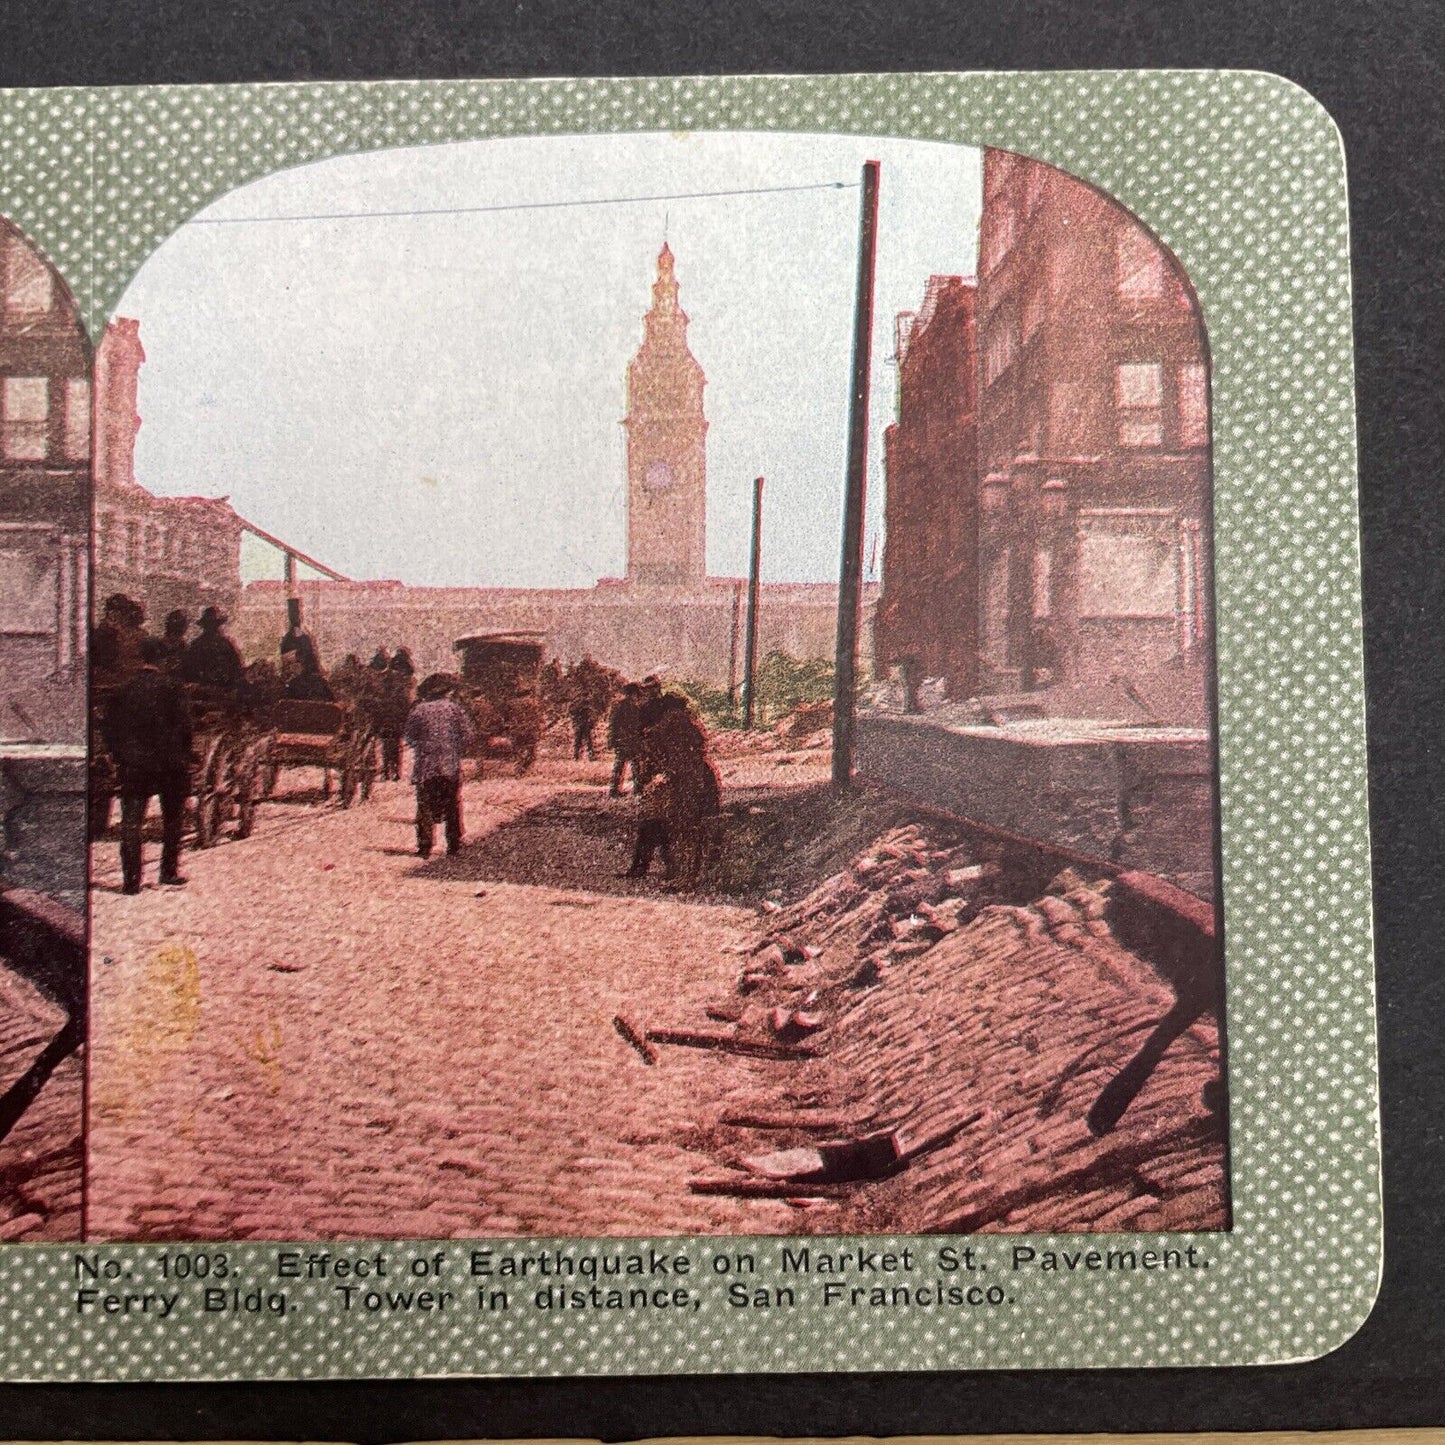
(678, 726)
(638, 685)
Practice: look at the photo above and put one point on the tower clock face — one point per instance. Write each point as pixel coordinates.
(658, 477)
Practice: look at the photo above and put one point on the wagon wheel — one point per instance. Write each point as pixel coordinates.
(208, 818)
(245, 814)
(208, 799)
(248, 773)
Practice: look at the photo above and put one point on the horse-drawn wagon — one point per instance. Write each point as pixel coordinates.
(336, 738)
(501, 673)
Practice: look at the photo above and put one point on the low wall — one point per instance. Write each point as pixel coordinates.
(679, 632)
(1136, 798)
(42, 805)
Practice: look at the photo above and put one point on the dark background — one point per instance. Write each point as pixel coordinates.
(1377, 67)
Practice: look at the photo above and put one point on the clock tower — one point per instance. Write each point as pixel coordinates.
(666, 447)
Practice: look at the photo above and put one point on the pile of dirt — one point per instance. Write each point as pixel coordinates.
(807, 728)
(776, 842)
(921, 1038)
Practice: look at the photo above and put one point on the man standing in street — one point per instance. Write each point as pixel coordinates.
(147, 727)
(583, 722)
(438, 731)
(624, 737)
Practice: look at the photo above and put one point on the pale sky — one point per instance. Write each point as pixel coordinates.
(437, 398)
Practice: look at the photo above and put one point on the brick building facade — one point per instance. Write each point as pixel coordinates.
(1094, 448)
(166, 552)
(44, 485)
(927, 621)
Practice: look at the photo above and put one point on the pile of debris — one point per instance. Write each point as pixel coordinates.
(41, 1153)
(806, 728)
(927, 1036)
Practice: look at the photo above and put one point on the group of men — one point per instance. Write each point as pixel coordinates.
(146, 717)
(383, 690)
(146, 726)
(655, 735)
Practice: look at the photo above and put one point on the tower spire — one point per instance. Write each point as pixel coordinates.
(664, 290)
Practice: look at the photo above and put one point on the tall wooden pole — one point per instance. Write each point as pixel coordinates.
(850, 573)
(733, 647)
(750, 646)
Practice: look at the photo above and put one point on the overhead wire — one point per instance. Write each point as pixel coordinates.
(523, 205)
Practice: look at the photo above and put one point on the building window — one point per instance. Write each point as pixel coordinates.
(1033, 311)
(1139, 265)
(77, 418)
(1034, 187)
(25, 418)
(1193, 405)
(1139, 392)
(1128, 563)
(29, 587)
(995, 607)
(999, 353)
(1043, 585)
(25, 280)
(998, 237)
(1063, 272)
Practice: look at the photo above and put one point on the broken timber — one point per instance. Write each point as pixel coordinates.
(636, 1038)
(728, 1044)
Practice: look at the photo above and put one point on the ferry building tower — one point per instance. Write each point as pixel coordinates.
(666, 447)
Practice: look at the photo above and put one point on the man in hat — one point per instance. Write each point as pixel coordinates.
(438, 731)
(679, 745)
(115, 644)
(211, 660)
(297, 642)
(147, 728)
(624, 737)
(584, 721)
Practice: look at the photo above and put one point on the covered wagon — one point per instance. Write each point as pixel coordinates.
(501, 675)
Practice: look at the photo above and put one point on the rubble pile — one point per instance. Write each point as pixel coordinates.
(925, 1034)
(41, 1157)
(807, 728)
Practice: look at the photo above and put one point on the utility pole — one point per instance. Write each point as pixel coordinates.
(733, 646)
(750, 647)
(850, 573)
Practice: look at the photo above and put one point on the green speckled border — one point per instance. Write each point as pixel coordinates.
(1242, 174)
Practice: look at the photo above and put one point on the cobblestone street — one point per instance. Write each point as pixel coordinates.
(324, 1037)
